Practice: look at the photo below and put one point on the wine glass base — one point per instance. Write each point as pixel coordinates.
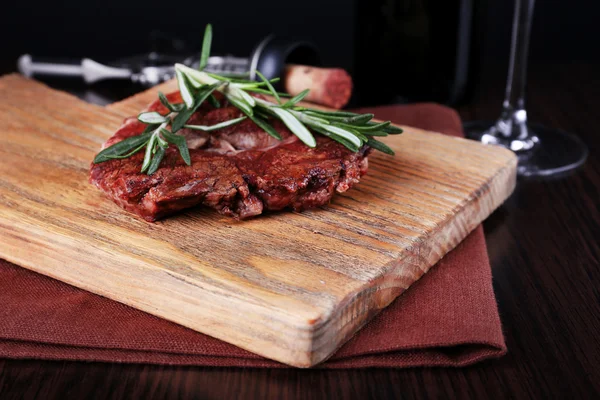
(555, 154)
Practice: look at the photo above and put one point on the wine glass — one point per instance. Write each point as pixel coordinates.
(542, 151)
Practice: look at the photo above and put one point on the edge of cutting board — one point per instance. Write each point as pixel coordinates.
(318, 334)
(379, 292)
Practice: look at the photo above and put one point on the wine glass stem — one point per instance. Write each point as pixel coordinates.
(514, 99)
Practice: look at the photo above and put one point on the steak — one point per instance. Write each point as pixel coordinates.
(239, 170)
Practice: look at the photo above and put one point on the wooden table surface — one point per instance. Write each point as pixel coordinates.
(545, 255)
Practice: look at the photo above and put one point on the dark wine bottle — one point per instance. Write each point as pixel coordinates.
(422, 48)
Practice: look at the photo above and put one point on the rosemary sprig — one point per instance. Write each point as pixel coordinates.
(196, 86)
(205, 47)
(220, 125)
(269, 86)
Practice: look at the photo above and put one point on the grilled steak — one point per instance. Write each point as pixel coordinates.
(240, 170)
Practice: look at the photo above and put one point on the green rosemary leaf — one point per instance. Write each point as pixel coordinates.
(263, 83)
(205, 47)
(356, 120)
(213, 101)
(184, 115)
(353, 131)
(206, 79)
(178, 107)
(220, 77)
(262, 112)
(313, 118)
(122, 148)
(223, 78)
(391, 129)
(345, 114)
(274, 80)
(201, 77)
(295, 126)
(155, 163)
(348, 144)
(269, 86)
(194, 83)
(150, 128)
(265, 126)
(151, 118)
(362, 128)
(330, 118)
(263, 91)
(162, 142)
(380, 146)
(236, 75)
(242, 95)
(376, 133)
(374, 127)
(297, 98)
(149, 152)
(310, 120)
(241, 83)
(259, 116)
(171, 106)
(241, 104)
(220, 125)
(132, 152)
(181, 144)
(360, 119)
(165, 102)
(343, 133)
(184, 89)
(163, 99)
(351, 146)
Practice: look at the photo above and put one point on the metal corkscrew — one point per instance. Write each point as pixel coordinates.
(269, 56)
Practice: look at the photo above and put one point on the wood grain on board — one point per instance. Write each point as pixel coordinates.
(290, 286)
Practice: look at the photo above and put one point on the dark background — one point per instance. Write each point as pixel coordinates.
(542, 243)
(411, 45)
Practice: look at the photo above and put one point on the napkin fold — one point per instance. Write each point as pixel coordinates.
(447, 318)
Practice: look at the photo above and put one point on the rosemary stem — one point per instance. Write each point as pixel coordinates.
(228, 88)
(349, 129)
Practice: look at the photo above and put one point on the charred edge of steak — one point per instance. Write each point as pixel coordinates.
(242, 179)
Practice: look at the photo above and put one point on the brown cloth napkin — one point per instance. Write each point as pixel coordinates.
(448, 318)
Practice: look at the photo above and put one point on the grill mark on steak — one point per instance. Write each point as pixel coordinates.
(239, 170)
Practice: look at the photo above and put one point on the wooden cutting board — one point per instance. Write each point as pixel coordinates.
(292, 287)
